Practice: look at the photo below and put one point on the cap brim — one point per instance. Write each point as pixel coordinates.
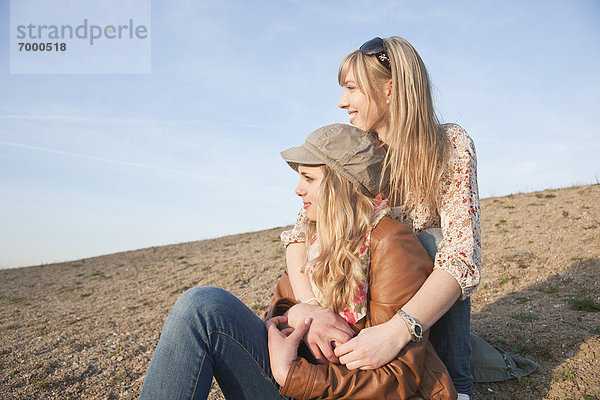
(300, 156)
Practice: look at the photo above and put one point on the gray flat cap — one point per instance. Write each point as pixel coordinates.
(356, 155)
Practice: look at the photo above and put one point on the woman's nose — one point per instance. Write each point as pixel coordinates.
(343, 103)
(300, 190)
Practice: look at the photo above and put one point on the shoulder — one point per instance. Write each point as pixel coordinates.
(387, 230)
(453, 130)
(399, 263)
(461, 143)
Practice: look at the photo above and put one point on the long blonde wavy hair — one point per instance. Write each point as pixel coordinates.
(418, 150)
(343, 218)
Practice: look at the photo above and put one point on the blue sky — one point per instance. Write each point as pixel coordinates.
(94, 164)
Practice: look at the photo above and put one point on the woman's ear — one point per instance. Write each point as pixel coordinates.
(388, 90)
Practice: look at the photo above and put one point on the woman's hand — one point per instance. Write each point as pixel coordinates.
(326, 327)
(283, 346)
(374, 346)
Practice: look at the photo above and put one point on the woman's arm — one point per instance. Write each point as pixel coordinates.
(459, 253)
(295, 258)
(378, 345)
(439, 292)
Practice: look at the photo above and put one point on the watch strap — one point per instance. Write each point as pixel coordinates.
(414, 328)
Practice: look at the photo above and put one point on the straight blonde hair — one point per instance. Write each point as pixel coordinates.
(344, 216)
(418, 149)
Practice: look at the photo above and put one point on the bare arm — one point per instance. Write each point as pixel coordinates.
(378, 345)
(295, 256)
(439, 292)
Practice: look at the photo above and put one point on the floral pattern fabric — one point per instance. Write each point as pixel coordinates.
(457, 213)
(298, 234)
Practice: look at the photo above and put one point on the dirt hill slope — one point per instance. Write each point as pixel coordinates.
(87, 329)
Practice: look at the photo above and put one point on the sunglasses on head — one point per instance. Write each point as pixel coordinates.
(374, 47)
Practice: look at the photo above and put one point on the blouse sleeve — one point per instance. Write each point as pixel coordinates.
(298, 233)
(458, 205)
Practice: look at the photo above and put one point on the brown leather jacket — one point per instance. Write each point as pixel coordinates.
(399, 266)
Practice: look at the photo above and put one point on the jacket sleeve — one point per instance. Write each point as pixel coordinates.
(283, 298)
(399, 266)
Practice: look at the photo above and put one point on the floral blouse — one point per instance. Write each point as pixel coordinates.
(457, 214)
(358, 309)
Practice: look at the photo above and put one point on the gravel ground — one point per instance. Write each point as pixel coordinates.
(87, 329)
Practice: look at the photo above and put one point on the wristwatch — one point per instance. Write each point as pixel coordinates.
(414, 328)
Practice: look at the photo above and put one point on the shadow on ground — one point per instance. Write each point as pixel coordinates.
(556, 323)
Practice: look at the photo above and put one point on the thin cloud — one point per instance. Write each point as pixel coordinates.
(102, 159)
(73, 119)
(259, 189)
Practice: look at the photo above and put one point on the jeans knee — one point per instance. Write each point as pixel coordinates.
(202, 310)
(204, 302)
(198, 298)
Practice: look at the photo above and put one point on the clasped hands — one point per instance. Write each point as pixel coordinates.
(330, 339)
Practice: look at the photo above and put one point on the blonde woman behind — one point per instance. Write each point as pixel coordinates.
(433, 181)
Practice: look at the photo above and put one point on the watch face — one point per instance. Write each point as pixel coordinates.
(418, 330)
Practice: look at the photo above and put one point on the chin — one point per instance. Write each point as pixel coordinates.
(359, 126)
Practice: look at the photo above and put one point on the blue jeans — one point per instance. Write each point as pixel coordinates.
(451, 335)
(451, 338)
(209, 332)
